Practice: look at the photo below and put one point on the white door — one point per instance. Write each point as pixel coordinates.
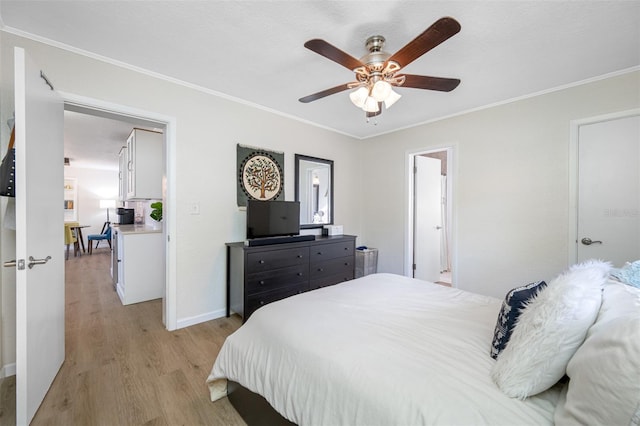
(427, 218)
(609, 191)
(39, 234)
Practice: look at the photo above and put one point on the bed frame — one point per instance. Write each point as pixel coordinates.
(253, 408)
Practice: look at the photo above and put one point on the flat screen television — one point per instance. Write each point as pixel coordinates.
(272, 218)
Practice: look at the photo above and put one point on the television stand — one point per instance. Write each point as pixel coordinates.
(267, 241)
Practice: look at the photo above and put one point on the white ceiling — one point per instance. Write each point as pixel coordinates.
(252, 51)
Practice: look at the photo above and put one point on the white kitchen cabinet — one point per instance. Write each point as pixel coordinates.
(144, 165)
(122, 174)
(138, 267)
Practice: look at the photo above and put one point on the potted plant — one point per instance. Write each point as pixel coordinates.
(156, 213)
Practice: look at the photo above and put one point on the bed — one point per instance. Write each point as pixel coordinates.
(379, 350)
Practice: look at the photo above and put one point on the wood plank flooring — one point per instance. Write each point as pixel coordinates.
(123, 367)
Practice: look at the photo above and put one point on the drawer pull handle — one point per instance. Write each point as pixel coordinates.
(261, 262)
(346, 263)
(320, 253)
(299, 256)
(319, 269)
(346, 248)
(262, 303)
(299, 274)
(261, 282)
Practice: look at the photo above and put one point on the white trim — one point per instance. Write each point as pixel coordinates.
(409, 210)
(186, 322)
(159, 76)
(169, 216)
(63, 46)
(511, 100)
(574, 138)
(8, 370)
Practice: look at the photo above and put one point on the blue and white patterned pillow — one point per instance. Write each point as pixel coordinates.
(512, 306)
(628, 274)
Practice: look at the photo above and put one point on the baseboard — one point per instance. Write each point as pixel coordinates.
(8, 370)
(186, 322)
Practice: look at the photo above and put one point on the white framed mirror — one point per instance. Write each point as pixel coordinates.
(314, 191)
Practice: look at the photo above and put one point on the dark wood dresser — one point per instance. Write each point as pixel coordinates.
(263, 274)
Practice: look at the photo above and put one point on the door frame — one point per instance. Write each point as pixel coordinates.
(98, 107)
(574, 139)
(410, 211)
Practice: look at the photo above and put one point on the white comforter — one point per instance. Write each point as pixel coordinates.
(379, 350)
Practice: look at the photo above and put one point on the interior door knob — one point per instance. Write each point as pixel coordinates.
(587, 241)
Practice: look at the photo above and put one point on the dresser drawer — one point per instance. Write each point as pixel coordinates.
(328, 280)
(323, 252)
(277, 278)
(276, 259)
(257, 300)
(339, 265)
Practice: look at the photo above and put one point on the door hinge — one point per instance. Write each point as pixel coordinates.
(414, 266)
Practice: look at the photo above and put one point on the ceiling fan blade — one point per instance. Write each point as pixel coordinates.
(429, 83)
(324, 93)
(438, 32)
(329, 51)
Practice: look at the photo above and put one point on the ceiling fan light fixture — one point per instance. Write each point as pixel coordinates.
(359, 96)
(391, 99)
(371, 105)
(381, 90)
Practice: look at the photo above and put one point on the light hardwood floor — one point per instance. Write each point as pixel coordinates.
(123, 367)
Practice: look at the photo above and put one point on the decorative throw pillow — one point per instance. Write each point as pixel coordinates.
(549, 331)
(512, 305)
(604, 373)
(628, 274)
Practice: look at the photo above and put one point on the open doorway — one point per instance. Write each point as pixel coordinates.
(430, 207)
(130, 118)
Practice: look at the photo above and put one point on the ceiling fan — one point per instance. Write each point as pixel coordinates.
(377, 71)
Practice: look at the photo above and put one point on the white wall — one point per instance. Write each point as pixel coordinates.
(208, 129)
(511, 175)
(511, 208)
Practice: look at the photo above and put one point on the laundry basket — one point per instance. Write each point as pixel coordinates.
(366, 262)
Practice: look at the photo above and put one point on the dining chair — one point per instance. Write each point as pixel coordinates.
(106, 235)
(70, 237)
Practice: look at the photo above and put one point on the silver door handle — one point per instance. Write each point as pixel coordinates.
(587, 241)
(33, 262)
(13, 263)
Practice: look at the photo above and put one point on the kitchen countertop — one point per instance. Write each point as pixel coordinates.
(139, 229)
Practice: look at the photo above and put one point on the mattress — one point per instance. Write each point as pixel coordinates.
(379, 350)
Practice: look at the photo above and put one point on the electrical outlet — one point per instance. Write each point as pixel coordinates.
(194, 208)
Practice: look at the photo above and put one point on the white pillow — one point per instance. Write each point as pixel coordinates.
(549, 330)
(604, 385)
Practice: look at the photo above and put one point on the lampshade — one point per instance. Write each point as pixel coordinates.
(107, 204)
(391, 99)
(359, 96)
(371, 105)
(381, 90)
